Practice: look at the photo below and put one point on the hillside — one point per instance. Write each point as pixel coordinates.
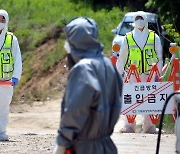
(43, 84)
(38, 26)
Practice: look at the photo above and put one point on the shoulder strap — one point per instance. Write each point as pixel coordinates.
(8, 39)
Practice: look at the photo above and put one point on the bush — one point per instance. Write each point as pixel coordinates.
(172, 33)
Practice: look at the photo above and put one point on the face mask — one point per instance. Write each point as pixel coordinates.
(67, 47)
(139, 23)
(2, 25)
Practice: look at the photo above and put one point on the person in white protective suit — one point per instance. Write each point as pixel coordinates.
(141, 42)
(92, 100)
(11, 69)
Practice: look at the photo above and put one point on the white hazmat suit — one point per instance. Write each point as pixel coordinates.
(6, 91)
(140, 38)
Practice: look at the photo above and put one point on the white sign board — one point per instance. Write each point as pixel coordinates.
(142, 98)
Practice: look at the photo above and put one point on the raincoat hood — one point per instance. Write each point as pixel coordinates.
(81, 34)
(5, 14)
(143, 15)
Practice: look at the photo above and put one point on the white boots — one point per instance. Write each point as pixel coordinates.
(3, 137)
(148, 127)
(128, 127)
(152, 130)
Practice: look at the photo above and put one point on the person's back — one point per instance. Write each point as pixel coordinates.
(92, 101)
(99, 84)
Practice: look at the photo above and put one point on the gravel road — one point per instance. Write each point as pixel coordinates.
(33, 129)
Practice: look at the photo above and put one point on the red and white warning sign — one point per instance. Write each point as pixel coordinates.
(140, 98)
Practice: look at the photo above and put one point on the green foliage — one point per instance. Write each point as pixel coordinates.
(172, 33)
(107, 20)
(30, 19)
(168, 124)
(167, 9)
(35, 22)
(54, 56)
(27, 70)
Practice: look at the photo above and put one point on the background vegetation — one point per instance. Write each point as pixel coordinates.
(37, 22)
(34, 21)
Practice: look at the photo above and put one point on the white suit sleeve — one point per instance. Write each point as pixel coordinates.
(16, 53)
(158, 49)
(122, 57)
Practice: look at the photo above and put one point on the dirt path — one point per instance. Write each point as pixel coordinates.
(33, 130)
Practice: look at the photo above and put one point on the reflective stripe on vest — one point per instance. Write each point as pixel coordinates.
(6, 59)
(143, 59)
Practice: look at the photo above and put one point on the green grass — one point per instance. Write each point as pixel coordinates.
(30, 19)
(168, 124)
(34, 22)
(54, 56)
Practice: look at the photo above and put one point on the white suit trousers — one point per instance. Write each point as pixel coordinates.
(6, 93)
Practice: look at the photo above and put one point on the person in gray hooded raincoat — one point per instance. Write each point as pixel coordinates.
(92, 100)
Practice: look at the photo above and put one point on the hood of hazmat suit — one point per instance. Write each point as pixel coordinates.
(141, 23)
(81, 34)
(92, 100)
(3, 33)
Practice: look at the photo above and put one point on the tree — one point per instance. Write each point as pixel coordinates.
(168, 10)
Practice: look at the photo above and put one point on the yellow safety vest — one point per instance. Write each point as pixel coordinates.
(143, 59)
(6, 59)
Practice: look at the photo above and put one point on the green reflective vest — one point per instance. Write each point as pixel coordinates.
(143, 59)
(6, 59)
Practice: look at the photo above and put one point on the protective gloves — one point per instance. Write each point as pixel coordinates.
(15, 81)
(59, 150)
